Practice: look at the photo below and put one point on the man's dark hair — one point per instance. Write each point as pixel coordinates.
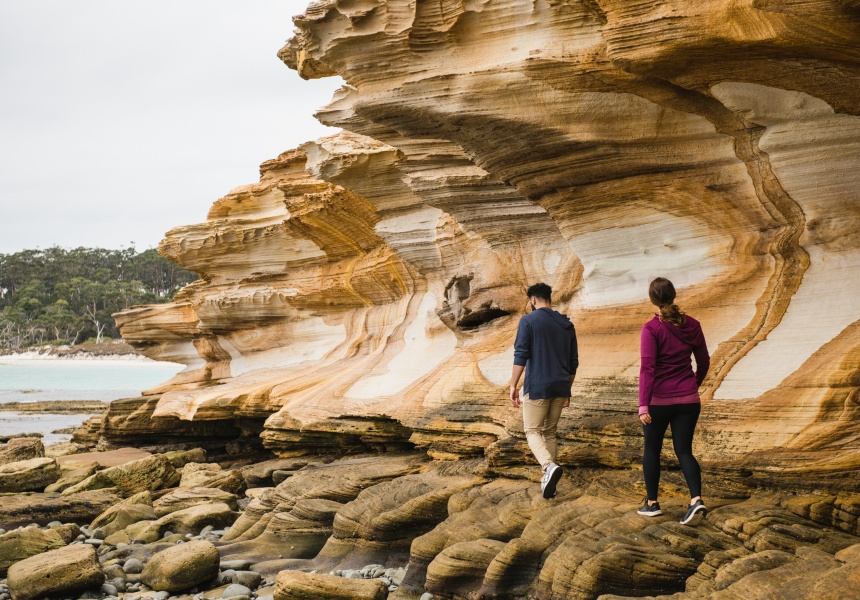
(540, 290)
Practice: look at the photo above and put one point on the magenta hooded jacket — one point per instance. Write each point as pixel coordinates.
(666, 370)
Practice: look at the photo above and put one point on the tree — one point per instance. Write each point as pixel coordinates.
(68, 295)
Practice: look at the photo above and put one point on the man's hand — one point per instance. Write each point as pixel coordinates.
(566, 403)
(516, 373)
(645, 418)
(515, 397)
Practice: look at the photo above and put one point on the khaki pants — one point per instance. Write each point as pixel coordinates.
(540, 422)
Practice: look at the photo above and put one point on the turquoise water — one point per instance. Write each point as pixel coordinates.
(32, 380)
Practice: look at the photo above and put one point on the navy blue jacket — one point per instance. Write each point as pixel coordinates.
(546, 347)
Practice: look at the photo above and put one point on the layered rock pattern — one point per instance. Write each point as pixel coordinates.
(365, 293)
(363, 297)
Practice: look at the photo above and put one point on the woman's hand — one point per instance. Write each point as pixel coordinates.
(645, 418)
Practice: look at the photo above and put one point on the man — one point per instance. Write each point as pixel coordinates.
(546, 348)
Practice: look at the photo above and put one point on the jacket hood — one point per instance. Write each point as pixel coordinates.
(687, 334)
(561, 320)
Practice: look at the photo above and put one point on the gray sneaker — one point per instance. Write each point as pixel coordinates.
(551, 475)
(693, 510)
(650, 510)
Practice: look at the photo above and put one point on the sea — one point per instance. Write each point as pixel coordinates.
(26, 379)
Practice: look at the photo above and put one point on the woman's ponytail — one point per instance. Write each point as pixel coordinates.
(662, 294)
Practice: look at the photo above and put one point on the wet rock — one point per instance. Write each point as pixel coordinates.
(29, 475)
(187, 497)
(63, 571)
(150, 473)
(21, 449)
(24, 543)
(296, 585)
(181, 567)
(71, 478)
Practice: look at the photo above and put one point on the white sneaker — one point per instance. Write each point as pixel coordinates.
(551, 475)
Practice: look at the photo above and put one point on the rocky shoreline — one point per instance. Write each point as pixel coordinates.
(56, 407)
(112, 350)
(186, 525)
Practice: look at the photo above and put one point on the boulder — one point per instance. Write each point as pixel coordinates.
(181, 567)
(236, 589)
(250, 579)
(187, 497)
(24, 543)
(188, 520)
(212, 476)
(67, 531)
(71, 478)
(19, 449)
(29, 475)
(295, 585)
(45, 508)
(120, 516)
(180, 458)
(62, 571)
(150, 473)
(63, 449)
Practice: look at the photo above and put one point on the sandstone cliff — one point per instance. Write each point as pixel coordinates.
(364, 295)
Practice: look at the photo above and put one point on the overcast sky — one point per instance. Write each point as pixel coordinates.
(121, 120)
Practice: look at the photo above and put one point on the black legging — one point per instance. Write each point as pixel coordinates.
(682, 418)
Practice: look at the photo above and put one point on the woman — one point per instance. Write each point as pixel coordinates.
(668, 394)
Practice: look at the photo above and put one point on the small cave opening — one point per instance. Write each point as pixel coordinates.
(472, 319)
